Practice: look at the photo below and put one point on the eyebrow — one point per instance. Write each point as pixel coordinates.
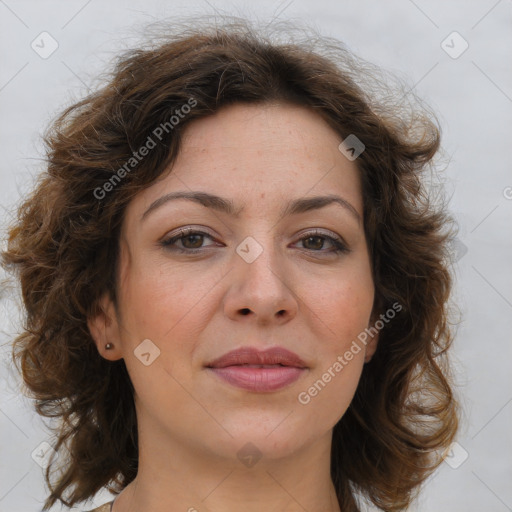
(227, 206)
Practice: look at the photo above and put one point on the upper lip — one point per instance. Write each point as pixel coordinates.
(249, 355)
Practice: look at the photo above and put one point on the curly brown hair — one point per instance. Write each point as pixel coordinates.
(63, 248)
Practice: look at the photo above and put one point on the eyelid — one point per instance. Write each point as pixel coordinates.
(187, 230)
(337, 241)
(204, 231)
(321, 232)
(183, 232)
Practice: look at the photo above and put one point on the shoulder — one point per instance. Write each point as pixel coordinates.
(104, 508)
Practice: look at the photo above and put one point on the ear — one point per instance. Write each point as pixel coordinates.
(371, 346)
(104, 328)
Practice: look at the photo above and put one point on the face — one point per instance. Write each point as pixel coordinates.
(265, 267)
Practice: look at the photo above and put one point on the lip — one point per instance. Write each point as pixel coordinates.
(261, 371)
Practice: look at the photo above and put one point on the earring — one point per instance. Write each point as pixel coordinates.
(109, 346)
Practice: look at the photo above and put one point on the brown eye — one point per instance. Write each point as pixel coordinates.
(315, 242)
(190, 241)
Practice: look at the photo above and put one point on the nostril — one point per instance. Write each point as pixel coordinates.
(245, 311)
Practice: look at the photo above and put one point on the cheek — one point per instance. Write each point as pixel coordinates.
(327, 399)
(327, 393)
(343, 306)
(167, 308)
(159, 302)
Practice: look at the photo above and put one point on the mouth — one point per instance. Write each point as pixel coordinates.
(260, 371)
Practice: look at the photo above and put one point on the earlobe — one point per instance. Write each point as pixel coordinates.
(371, 347)
(103, 327)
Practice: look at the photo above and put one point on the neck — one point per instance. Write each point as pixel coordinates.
(175, 477)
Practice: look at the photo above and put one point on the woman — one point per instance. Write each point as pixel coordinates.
(235, 283)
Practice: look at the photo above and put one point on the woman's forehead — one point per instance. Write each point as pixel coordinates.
(262, 154)
(272, 125)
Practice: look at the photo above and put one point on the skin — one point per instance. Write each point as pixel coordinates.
(195, 308)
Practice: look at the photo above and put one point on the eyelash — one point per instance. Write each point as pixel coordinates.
(339, 245)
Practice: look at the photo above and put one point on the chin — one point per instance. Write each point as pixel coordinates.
(267, 436)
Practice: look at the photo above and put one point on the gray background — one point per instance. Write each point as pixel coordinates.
(473, 97)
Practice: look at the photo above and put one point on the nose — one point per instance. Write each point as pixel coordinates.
(261, 291)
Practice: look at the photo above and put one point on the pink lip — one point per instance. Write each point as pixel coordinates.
(251, 369)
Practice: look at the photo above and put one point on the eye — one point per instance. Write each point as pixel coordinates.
(191, 241)
(315, 240)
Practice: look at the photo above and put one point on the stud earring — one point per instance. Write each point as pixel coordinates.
(109, 346)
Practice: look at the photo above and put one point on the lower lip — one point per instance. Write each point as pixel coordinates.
(259, 379)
